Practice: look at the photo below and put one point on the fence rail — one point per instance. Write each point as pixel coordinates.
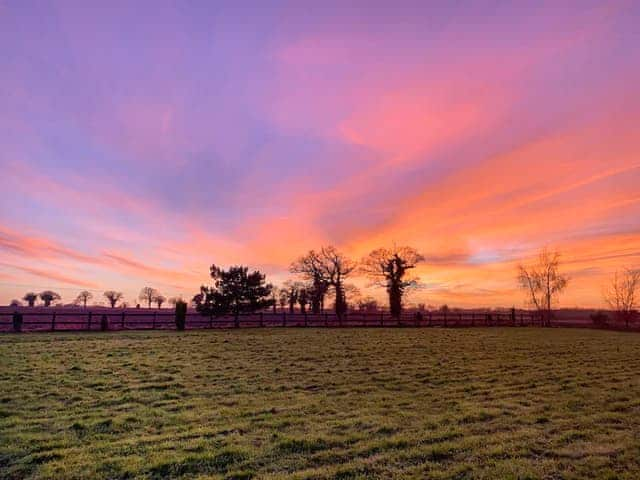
(163, 320)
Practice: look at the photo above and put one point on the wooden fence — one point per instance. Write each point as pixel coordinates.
(88, 320)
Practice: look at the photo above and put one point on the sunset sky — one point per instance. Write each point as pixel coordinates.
(141, 143)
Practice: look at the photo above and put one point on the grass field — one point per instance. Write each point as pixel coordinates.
(307, 403)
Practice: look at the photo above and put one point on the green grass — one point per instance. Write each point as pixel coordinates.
(307, 403)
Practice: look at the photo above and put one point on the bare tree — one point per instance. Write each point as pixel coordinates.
(325, 268)
(83, 297)
(147, 294)
(303, 299)
(388, 268)
(113, 297)
(543, 282)
(291, 291)
(310, 267)
(48, 296)
(622, 294)
(351, 296)
(275, 293)
(30, 298)
(283, 298)
(159, 300)
(368, 305)
(336, 267)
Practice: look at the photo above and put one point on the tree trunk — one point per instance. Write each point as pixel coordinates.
(341, 304)
(395, 301)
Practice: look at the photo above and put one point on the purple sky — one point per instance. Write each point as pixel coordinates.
(142, 141)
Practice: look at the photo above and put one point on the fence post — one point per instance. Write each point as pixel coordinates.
(326, 319)
(89, 321)
(211, 320)
(284, 319)
(53, 322)
(460, 319)
(382, 319)
(305, 319)
(122, 321)
(473, 319)
(445, 318)
(155, 316)
(261, 320)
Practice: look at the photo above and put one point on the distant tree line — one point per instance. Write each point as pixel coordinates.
(543, 283)
(323, 275)
(149, 295)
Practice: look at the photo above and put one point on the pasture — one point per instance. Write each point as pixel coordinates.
(321, 404)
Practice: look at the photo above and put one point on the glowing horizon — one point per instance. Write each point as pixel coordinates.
(140, 144)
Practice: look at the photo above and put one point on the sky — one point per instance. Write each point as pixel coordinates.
(140, 142)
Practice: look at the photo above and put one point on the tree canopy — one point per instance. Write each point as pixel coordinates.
(234, 291)
(148, 294)
(83, 297)
(113, 297)
(388, 268)
(325, 268)
(48, 296)
(543, 282)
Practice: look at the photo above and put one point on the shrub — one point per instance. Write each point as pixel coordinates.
(104, 323)
(181, 315)
(600, 319)
(17, 321)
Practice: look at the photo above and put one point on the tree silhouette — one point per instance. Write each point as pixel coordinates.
(325, 268)
(350, 294)
(543, 282)
(83, 297)
(30, 298)
(303, 299)
(310, 267)
(275, 292)
(15, 303)
(48, 296)
(336, 267)
(234, 291)
(197, 299)
(622, 294)
(159, 300)
(113, 297)
(388, 268)
(291, 290)
(283, 298)
(147, 294)
(368, 304)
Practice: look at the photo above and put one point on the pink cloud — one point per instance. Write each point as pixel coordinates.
(49, 275)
